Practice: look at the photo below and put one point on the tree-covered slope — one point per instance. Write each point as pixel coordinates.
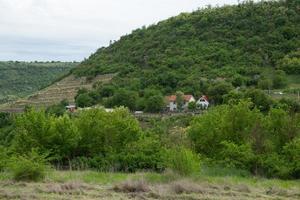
(211, 51)
(213, 42)
(18, 79)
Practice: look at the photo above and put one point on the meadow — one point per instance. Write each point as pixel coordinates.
(209, 184)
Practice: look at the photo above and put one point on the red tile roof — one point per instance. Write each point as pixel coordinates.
(204, 97)
(173, 98)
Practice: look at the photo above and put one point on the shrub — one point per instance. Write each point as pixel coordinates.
(144, 154)
(125, 98)
(216, 91)
(273, 165)
(279, 79)
(36, 129)
(236, 156)
(3, 158)
(183, 161)
(84, 100)
(241, 137)
(265, 84)
(5, 119)
(292, 156)
(154, 103)
(260, 99)
(30, 167)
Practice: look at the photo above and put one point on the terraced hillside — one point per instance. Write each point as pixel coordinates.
(64, 89)
(20, 79)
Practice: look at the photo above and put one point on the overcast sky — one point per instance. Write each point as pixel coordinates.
(70, 30)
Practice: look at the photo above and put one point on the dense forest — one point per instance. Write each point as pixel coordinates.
(18, 79)
(246, 45)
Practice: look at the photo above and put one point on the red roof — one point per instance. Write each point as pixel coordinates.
(204, 97)
(173, 98)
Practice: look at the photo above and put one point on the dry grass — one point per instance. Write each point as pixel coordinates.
(89, 186)
(185, 186)
(66, 188)
(132, 186)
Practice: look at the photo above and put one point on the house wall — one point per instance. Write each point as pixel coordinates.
(173, 106)
(202, 103)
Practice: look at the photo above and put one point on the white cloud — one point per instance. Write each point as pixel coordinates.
(73, 29)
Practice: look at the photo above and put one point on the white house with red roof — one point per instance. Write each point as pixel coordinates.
(172, 104)
(203, 102)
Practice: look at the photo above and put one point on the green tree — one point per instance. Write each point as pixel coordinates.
(84, 100)
(279, 79)
(265, 84)
(192, 106)
(125, 98)
(154, 103)
(217, 91)
(179, 100)
(260, 99)
(291, 63)
(105, 133)
(58, 109)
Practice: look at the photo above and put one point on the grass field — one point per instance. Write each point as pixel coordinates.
(96, 185)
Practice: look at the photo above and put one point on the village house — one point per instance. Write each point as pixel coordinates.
(203, 102)
(71, 108)
(172, 104)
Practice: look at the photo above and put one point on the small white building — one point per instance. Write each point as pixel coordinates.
(71, 108)
(203, 102)
(172, 104)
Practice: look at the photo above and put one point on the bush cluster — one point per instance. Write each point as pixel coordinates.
(240, 136)
(28, 167)
(91, 139)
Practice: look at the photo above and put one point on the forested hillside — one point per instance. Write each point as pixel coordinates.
(246, 45)
(18, 79)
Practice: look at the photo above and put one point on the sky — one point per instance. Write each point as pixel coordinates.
(71, 30)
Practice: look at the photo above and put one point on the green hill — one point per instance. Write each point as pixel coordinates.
(19, 79)
(246, 45)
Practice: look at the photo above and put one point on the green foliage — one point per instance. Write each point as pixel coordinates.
(183, 161)
(241, 137)
(260, 99)
(5, 119)
(18, 79)
(123, 97)
(107, 91)
(58, 109)
(279, 79)
(84, 100)
(193, 51)
(154, 103)
(146, 153)
(179, 99)
(291, 105)
(103, 133)
(265, 84)
(28, 167)
(46, 133)
(236, 156)
(217, 91)
(291, 152)
(291, 63)
(192, 106)
(3, 158)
